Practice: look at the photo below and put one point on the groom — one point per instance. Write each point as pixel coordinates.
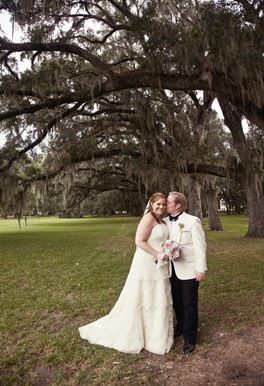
(188, 270)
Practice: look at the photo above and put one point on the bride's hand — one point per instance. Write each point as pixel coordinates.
(162, 256)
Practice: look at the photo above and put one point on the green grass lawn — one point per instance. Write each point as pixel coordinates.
(58, 274)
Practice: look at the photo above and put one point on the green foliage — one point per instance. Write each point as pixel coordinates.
(57, 275)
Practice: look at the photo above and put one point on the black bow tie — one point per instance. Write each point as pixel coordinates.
(174, 218)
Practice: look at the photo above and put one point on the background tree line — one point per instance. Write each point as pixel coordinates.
(117, 104)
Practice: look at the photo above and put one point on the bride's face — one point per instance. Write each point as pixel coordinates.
(159, 207)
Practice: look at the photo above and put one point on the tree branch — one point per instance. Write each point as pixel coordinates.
(56, 47)
(44, 133)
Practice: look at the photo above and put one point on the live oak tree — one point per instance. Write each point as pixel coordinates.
(128, 158)
(85, 52)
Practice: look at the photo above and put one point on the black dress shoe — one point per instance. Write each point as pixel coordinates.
(188, 348)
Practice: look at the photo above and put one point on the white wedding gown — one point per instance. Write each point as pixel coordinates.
(142, 316)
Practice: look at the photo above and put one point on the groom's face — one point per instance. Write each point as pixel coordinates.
(172, 207)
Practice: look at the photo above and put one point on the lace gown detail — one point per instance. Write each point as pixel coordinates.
(142, 316)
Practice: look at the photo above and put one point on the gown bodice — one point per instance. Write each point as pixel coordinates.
(158, 235)
(143, 262)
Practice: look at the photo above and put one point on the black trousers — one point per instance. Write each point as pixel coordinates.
(185, 304)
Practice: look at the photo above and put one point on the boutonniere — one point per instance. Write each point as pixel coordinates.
(181, 226)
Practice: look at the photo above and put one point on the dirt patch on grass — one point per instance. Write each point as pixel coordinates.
(227, 361)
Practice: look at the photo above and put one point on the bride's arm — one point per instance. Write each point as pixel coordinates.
(143, 232)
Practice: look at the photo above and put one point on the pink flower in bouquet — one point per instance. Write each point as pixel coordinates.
(167, 247)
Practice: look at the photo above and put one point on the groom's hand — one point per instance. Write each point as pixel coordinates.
(200, 276)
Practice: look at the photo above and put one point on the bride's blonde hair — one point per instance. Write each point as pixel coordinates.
(179, 198)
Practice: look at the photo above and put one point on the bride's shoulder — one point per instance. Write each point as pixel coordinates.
(148, 219)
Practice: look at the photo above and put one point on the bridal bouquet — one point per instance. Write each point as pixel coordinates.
(172, 249)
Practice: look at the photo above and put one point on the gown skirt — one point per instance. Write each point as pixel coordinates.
(142, 317)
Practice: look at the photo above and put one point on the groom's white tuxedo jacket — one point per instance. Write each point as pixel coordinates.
(188, 231)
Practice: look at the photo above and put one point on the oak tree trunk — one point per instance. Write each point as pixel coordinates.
(194, 198)
(249, 169)
(214, 221)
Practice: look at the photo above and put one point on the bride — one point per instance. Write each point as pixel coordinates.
(142, 317)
